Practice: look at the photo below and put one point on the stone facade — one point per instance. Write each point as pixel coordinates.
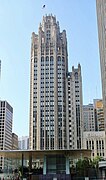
(95, 140)
(49, 67)
(74, 108)
(101, 19)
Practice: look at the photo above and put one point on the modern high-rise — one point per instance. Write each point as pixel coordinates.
(49, 68)
(89, 117)
(6, 118)
(101, 18)
(14, 141)
(99, 114)
(74, 109)
(23, 142)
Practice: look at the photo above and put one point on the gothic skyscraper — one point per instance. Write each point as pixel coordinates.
(49, 68)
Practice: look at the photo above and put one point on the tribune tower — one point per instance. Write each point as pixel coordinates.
(49, 67)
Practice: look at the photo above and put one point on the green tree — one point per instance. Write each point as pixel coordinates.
(96, 161)
(83, 165)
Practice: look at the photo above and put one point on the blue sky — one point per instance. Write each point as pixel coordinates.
(18, 19)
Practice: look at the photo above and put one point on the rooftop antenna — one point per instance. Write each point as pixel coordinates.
(96, 92)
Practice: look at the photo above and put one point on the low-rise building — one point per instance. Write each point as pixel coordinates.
(95, 140)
